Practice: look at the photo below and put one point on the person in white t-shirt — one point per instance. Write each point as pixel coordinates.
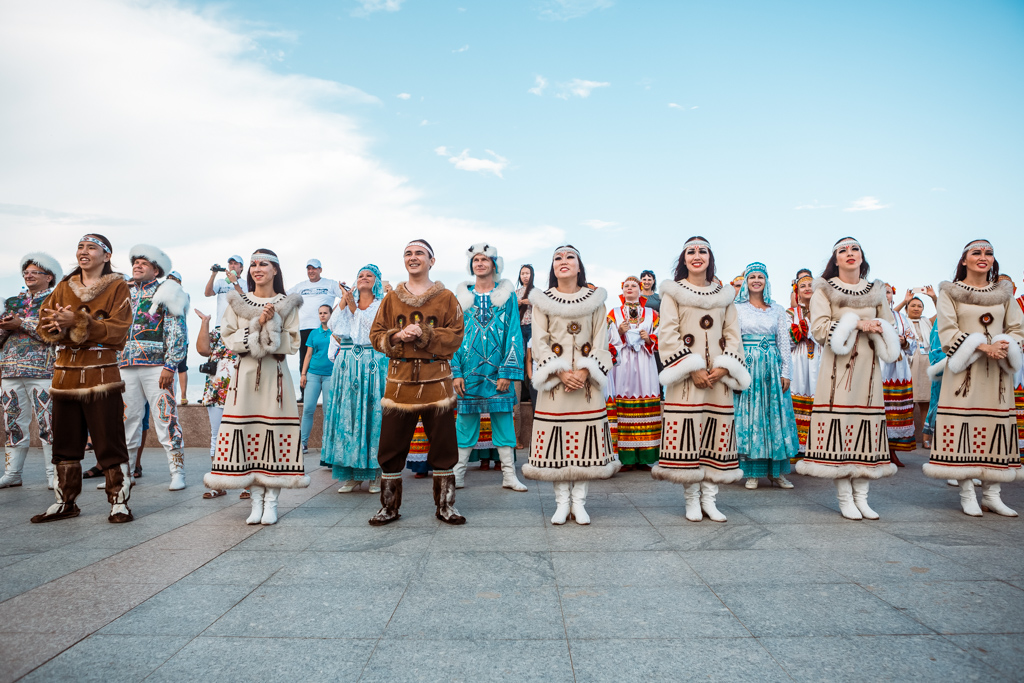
(232, 280)
(316, 292)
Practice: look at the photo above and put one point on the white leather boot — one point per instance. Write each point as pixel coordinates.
(177, 466)
(270, 506)
(508, 470)
(579, 500)
(561, 502)
(708, 492)
(15, 463)
(692, 494)
(968, 499)
(991, 502)
(51, 469)
(860, 498)
(256, 498)
(844, 494)
(460, 467)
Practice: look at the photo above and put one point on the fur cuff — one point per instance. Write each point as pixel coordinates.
(1012, 363)
(427, 333)
(681, 369)
(717, 476)
(844, 334)
(989, 474)
(935, 371)
(823, 471)
(598, 375)
(172, 297)
(546, 376)
(738, 378)
(79, 331)
(887, 344)
(571, 472)
(966, 353)
(387, 348)
(678, 475)
(47, 336)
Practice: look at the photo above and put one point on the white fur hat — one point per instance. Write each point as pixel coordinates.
(488, 251)
(44, 261)
(158, 257)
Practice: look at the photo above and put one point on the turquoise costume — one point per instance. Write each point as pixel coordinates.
(766, 433)
(352, 411)
(935, 356)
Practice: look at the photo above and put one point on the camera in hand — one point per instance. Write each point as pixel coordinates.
(209, 367)
(217, 268)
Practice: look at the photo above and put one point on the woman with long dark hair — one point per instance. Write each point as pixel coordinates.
(852, 321)
(258, 444)
(981, 329)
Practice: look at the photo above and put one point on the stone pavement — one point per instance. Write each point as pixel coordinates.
(786, 590)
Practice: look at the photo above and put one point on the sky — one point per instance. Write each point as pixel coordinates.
(342, 129)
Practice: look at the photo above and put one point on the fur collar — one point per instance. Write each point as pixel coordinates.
(87, 294)
(172, 297)
(860, 295)
(996, 294)
(247, 308)
(409, 299)
(715, 295)
(499, 295)
(554, 303)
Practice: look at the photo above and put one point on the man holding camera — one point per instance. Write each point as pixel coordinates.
(316, 292)
(232, 280)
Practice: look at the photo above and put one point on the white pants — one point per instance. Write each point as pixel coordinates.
(142, 386)
(215, 413)
(23, 398)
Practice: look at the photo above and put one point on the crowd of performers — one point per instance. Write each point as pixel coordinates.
(699, 382)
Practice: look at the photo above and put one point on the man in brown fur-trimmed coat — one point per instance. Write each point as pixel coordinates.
(418, 327)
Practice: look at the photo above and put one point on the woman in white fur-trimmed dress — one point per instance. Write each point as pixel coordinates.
(980, 329)
(702, 351)
(571, 440)
(258, 442)
(852, 321)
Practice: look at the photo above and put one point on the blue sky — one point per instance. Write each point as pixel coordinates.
(342, 129)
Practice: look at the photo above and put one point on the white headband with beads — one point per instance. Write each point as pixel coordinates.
(978, 244)
(697, 243)
(566, 248)
(846, 243)
(260, 256)
(422, 244)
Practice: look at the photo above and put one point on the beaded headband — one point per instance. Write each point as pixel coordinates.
(846, 243)
(756, 267)
(260, 256)
(631, 278)
(801, 279)
(422, 244)
(96, 241)
(697, 243)
(979, 244)
(561, 249)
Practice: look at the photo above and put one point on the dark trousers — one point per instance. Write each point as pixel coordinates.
(396, 430)
(102, 418)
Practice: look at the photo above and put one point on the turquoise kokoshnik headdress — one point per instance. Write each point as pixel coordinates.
(755, 267)
(378, 284)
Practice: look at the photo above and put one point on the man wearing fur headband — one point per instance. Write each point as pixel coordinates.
(418, 327)
(26, 364)
(157, 343)
(490, 357)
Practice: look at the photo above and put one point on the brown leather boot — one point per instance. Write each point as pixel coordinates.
(444, 499)
(66, 488)
(118, 492)
(390, 500)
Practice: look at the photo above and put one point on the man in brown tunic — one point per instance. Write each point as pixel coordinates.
(418, 327)
(88, 316)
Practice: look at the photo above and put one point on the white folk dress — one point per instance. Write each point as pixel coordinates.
(897, 387)
(805, 357)
(636, 394)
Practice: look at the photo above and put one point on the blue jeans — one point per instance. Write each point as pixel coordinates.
(315, 384)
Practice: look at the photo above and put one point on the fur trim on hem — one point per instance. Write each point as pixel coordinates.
(499, 295)
(989, 474)
(681, 475)
(738, 378)
(172, 297)
(887, 344)
(409, 299)
(389, 405)
(681, 369)
(597, 374)
(87, 294)
(935, 371)
(46, 262)
(551, 303)
(966, 354)
(546, 376)
(994, 295)
(714, 295)
(1011, 364)
(716, 476)
(571, 472)
(244, 481)
(815, 469)
(87, 394)
(844, 336)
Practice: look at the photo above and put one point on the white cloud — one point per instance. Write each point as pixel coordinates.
(645, 83)
(673, 105)
(939, 189)
(462, 49)
(813, 205)
(467, 163)
(541, 83)
(866, 204)
(368, 7)
(196, 144)
(403, 95)
(563, 10)
(579, 88)
(694, 107)
(604, 226)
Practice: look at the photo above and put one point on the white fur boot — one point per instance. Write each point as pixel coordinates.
(692, 494)
(460, 467)
(256, 498)
(579, 499)
(14, 465)
(708, 492)
(969, 499)
(991, 502)
(860, 498)
(844, 494)
(561, 502)
(270, 506)
(508, 470)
